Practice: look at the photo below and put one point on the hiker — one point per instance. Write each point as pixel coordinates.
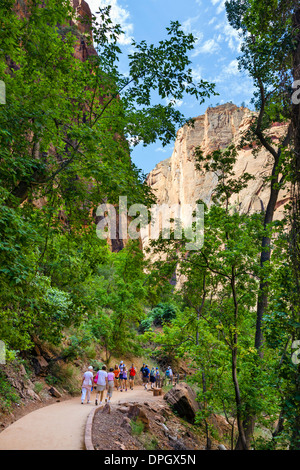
(116, 374)
(132, 373)
(157, 377)
(124, 381)
(87, 383)
(152, 377)
(142, 370)
(110, 384)
(101, 384)
(121, 366)
(169, 375)
(146, 373)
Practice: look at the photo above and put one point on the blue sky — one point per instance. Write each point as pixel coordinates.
(214, 57)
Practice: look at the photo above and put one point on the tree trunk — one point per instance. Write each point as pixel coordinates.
(242, 442)
(264, 258)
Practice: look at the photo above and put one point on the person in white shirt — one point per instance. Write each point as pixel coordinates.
(87, 382)
(101, 384)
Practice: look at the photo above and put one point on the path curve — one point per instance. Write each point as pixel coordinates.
(60, 426)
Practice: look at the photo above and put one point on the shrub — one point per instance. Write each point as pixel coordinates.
(7, 394)
(137, 427)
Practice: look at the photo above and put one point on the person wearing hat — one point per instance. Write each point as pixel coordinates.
(87, 382)
(121, 369)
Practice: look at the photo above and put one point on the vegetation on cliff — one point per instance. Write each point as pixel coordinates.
(64, 147)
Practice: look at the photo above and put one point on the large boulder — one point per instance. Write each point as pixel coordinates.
(138, 412)
(182, 398)
(40, 365)
(54, 392)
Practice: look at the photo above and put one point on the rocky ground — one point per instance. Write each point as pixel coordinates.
(162, 424)
(147, 426)
(141, 422)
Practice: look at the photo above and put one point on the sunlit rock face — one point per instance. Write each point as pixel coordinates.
(176, 180)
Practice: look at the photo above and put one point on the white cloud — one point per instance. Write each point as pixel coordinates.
(164, 149)
(231, 68)
(176, 103)
(229, 35)
(197, 73)
(228, 72)
(220, 5)
(188, 28)
(118, 16)
(210, 46)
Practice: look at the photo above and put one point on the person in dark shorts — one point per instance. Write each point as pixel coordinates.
(146, 375)
(152, 377)
(117, 373)
(121, 378)
(142, 370)
(124, 379)
(132, 374)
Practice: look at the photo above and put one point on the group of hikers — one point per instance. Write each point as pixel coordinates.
(117, 377)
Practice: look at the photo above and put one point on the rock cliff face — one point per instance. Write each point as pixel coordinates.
(84, 47)
(176, 180)
(81, 23)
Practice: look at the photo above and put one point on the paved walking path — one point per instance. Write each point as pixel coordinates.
(60, 426)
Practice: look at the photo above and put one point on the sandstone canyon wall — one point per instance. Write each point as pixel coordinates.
(176, 180)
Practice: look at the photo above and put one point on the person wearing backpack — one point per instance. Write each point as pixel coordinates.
(157, 377)
(124, 379)
(146, 374)
(121, 369)
(152, 377)
(142, 370)
(169, 375)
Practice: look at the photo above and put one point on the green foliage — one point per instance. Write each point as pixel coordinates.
(64, 376)
(270, 55)
(215, 322)
(38, 387)
(7, 394)
(63, 151)
(163, 313)
(158, 316)
(137, 427)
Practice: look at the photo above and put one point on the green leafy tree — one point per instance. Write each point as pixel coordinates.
(270, 54)
(64, 150)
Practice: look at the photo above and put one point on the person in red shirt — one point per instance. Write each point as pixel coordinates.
(132, 373)
(117, 373)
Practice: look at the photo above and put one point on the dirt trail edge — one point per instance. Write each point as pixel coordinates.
(60, 426)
